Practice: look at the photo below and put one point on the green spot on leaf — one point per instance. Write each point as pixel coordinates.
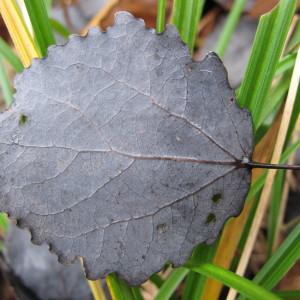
(211, 218)
(216, 198)
(23, 119)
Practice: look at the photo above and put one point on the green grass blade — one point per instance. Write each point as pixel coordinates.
(280, 262)
(171, 284)
(48, 4)
(286, 63)
(185, 17)
(194, 285)
(118, 289)
(267, 48)
(288, 294)
(295, 39)
(40, 23)
(244, 286)
(10, 56)
(274, 209)
(136, 292)
(230, 25)
(59, 28)
(177, 13)
(295, 116)
(156, 280)
(5, 84)
(161, 16)
(275, 97)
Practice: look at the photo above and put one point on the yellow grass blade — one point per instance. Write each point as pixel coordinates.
(19, 32)
(266, 192)
(96, 289)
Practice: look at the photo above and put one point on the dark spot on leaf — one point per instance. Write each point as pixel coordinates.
(161, 228)
(216, 197)
(23, 119)
(211, 218)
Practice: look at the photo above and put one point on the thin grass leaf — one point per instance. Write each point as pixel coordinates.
(96, 289)
(40, 23)
(285, 64)
(19, 32)
(161, 16)
(136, 292)
(194, 285)
(59, 28)
(246, 287)
(267, 48)
(295, 39)
(5, 84)
(275, 98)
(295, 116)
(280, 262)
(274, 209)
(185, 16)
(157, 280)
(4, 223)
(288, 294)
(118, 289)
(230, 25)
(171, 284)
(10, 56)
(48, 4)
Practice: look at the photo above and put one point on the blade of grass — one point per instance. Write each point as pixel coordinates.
(245, 286)
(295, 39)
(194, 285)
(161, 16)
(185, 17)
(19, 33)
(96, 289)
(171, 284)
(275, 97)
(59, 28)
(40, 23)
(156, 280)
(118, 289)
(136, 292)
(48, 4)
(5, 84)
(10, 56)
(277, 192)
(263, 203)
(280, 262)
(286, 63)
(288, 294)
(266, 51)
(230, 25)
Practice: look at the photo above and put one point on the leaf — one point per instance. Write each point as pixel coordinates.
(122, 150)
(39, 270)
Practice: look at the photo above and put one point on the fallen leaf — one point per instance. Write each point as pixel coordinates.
(122, 150)
(39, 270)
